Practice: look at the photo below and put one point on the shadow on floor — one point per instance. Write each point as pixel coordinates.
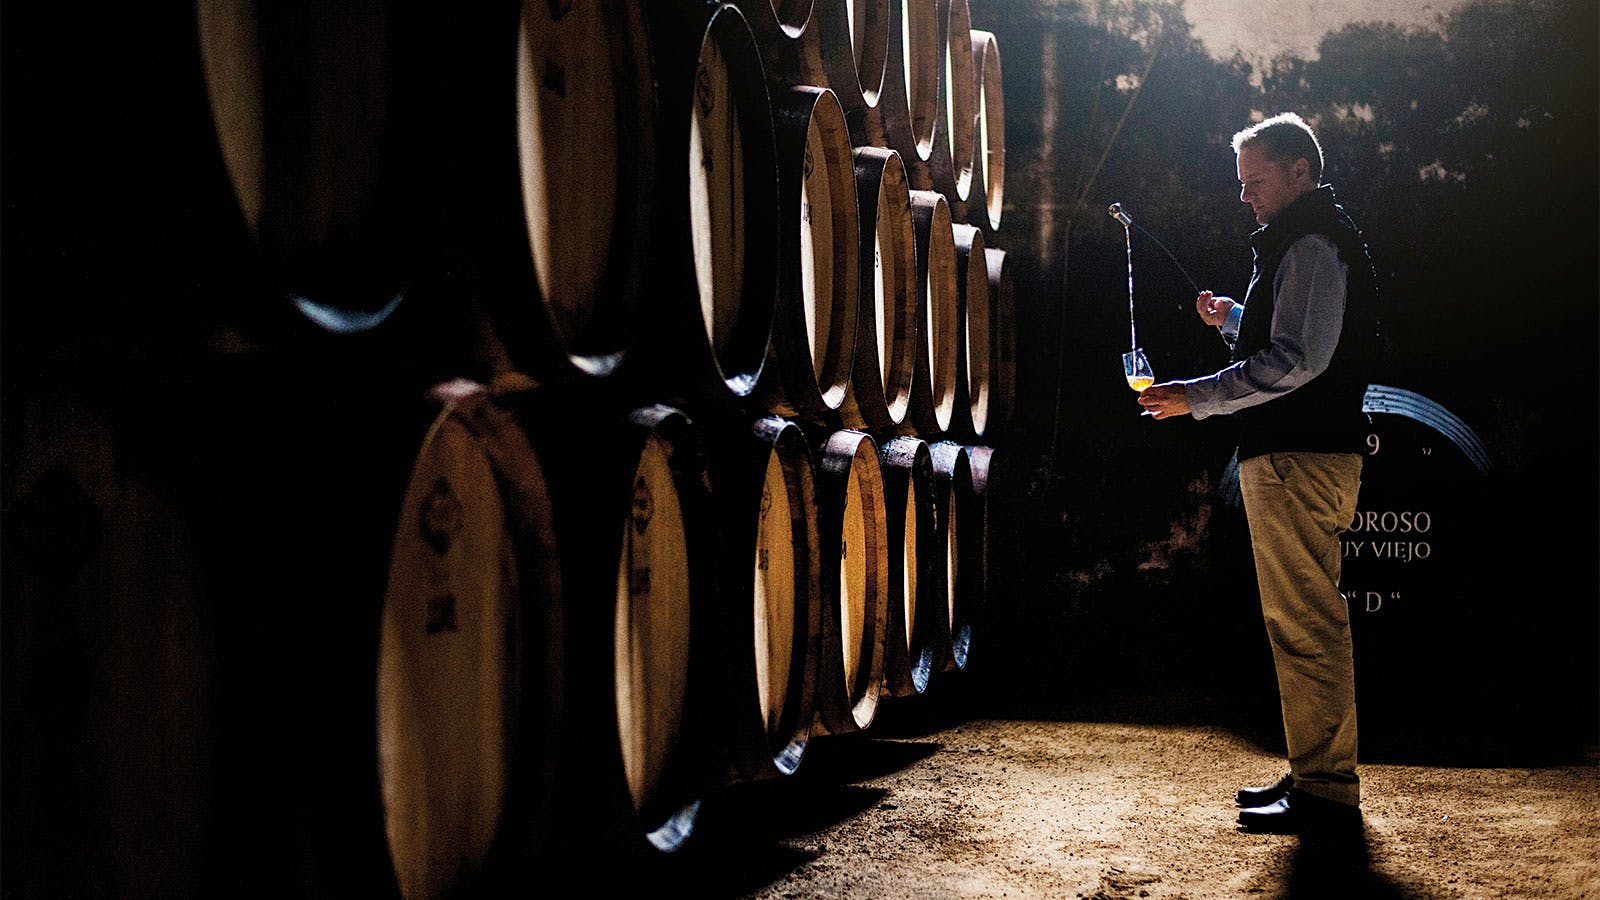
(751, 835)
(754, 835)
(1339, 865)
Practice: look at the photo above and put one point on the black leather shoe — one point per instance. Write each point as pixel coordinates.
(1298, 812)
(1252, 797)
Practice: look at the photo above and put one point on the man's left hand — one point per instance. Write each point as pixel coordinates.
(1165, 400)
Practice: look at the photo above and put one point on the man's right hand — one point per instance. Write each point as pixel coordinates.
(1213, 309)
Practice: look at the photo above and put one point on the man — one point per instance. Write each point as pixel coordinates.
(1303, 342)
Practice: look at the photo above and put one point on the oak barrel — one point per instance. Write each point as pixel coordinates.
(809, 359)
(957, 522)
(909, 644)
(769, 625)
(663, 577)
(539, 136)
(717, 213)
(468, 685)
(783, 30)
(933, 385)
(908, 105)
(793, 15)
(886, 329)
(583, 101)
(855, 576)
(310, 110)
(848, 50)
(633, 511)
(974, 335)
(980, 554)
(956, 86)
(990, 129)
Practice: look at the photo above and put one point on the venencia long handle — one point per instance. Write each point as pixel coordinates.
(1116, 213)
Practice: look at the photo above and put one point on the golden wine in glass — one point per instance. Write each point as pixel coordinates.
(1136, 368)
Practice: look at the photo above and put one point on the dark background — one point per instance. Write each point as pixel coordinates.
(1467, 155)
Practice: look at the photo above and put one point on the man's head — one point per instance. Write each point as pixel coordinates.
(1279, 159)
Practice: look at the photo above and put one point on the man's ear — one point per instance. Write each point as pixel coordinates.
(1302, 169)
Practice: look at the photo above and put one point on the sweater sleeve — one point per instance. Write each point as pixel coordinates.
(1308, 314)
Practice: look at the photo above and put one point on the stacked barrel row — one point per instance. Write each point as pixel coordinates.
(709, 480)
(769, 299)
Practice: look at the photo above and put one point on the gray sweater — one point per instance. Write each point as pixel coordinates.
(1306, 321)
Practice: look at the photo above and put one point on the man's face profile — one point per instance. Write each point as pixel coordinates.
(1269, 186)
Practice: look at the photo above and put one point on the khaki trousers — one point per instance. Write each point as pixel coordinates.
(1297, 505)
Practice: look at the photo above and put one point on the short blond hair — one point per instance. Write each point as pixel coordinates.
(1285, 137)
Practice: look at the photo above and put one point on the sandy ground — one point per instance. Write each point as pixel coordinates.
(1070, 809)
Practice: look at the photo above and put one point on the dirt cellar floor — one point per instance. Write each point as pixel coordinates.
(1070, 809)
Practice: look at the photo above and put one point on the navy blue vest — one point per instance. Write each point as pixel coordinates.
(1324, 415)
